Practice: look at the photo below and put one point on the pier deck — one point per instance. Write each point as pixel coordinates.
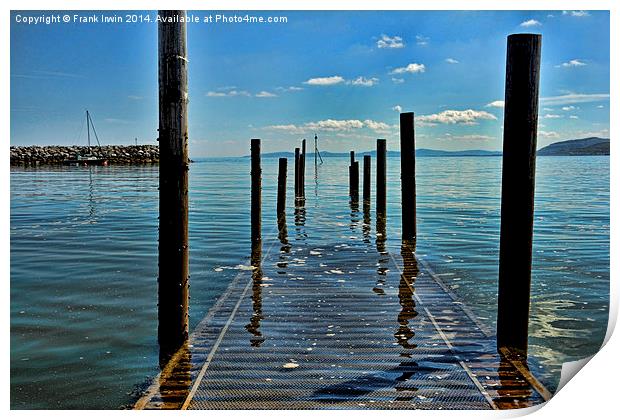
(341, 326)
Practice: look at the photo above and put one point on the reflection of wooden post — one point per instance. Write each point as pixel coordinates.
(296, 173)
(173, 185)
(256, 192)
(281, 186)
(518, 171)
(366, 179)
(381, 176)
(407, 175)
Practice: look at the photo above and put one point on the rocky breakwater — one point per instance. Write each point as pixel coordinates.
(56, 155)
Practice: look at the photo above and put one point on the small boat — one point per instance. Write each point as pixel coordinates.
(88, 159)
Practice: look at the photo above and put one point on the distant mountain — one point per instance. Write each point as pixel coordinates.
(588, 146)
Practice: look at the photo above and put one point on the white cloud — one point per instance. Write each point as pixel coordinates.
(551, 116)
(574, 98)
(398, 80)
(548, 134)
(289, 89)
(332, 126)
(362, 81)
(422, 40)
(410, 68)
(390, 42)
(575, 13)
(232, 92)
(466, 117)
(265, 94)
(573, 117)
(495, 104)
(469, 137)
(324, 81)
(530, 23)
(377, 125)
(569, 108)
(572, 63)
(451, 61)
(601, 106)
(397, 108)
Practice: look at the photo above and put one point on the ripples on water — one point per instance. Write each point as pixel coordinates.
(84, 258)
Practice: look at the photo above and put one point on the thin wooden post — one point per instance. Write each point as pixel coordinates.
(173, 310)
(296, 173)
(407, 175)
(352, 156)
(381, 176)
(282, 162)
(255, 212)
(518, 181)
(366, 193)
(302, 185)
(354, 174)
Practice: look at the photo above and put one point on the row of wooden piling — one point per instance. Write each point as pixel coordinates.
(517, 202)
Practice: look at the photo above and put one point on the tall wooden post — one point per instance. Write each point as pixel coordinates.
(366, 194)
(354, 175)
(407, 175)
(296, 173)
(255, 211)
(518, 172)
(302, 184)
(352, 156)
(173, 185)
(281, 186)
(381, 176)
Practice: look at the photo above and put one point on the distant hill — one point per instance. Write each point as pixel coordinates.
(587, 146)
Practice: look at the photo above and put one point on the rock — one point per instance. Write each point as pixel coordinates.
(55, 155)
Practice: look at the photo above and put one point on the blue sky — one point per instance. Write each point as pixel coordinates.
(342, 75)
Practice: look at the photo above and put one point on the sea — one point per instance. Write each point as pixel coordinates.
(83, 249)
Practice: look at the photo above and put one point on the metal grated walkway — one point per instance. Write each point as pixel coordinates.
(340, 326)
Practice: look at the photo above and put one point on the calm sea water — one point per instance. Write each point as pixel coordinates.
(84, 259)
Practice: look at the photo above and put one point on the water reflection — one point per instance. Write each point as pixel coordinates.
(354, 205)
(300, 219)
(253, 327)
(384, 258)
(92, 211)
(285, 249)
(405, 296)
(366, 222)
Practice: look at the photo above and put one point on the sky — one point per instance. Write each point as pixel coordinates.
(342, 75)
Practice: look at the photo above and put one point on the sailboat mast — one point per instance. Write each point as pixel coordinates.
(88, 129)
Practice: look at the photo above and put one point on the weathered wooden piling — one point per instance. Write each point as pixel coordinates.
(255, 211)
(281, 207)
(407, 175)
(352, 156)
(296, 173)
(518, 181)
(366, 193)
(302, 184)
(381, 176)
(173, 184)
(354, 176)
